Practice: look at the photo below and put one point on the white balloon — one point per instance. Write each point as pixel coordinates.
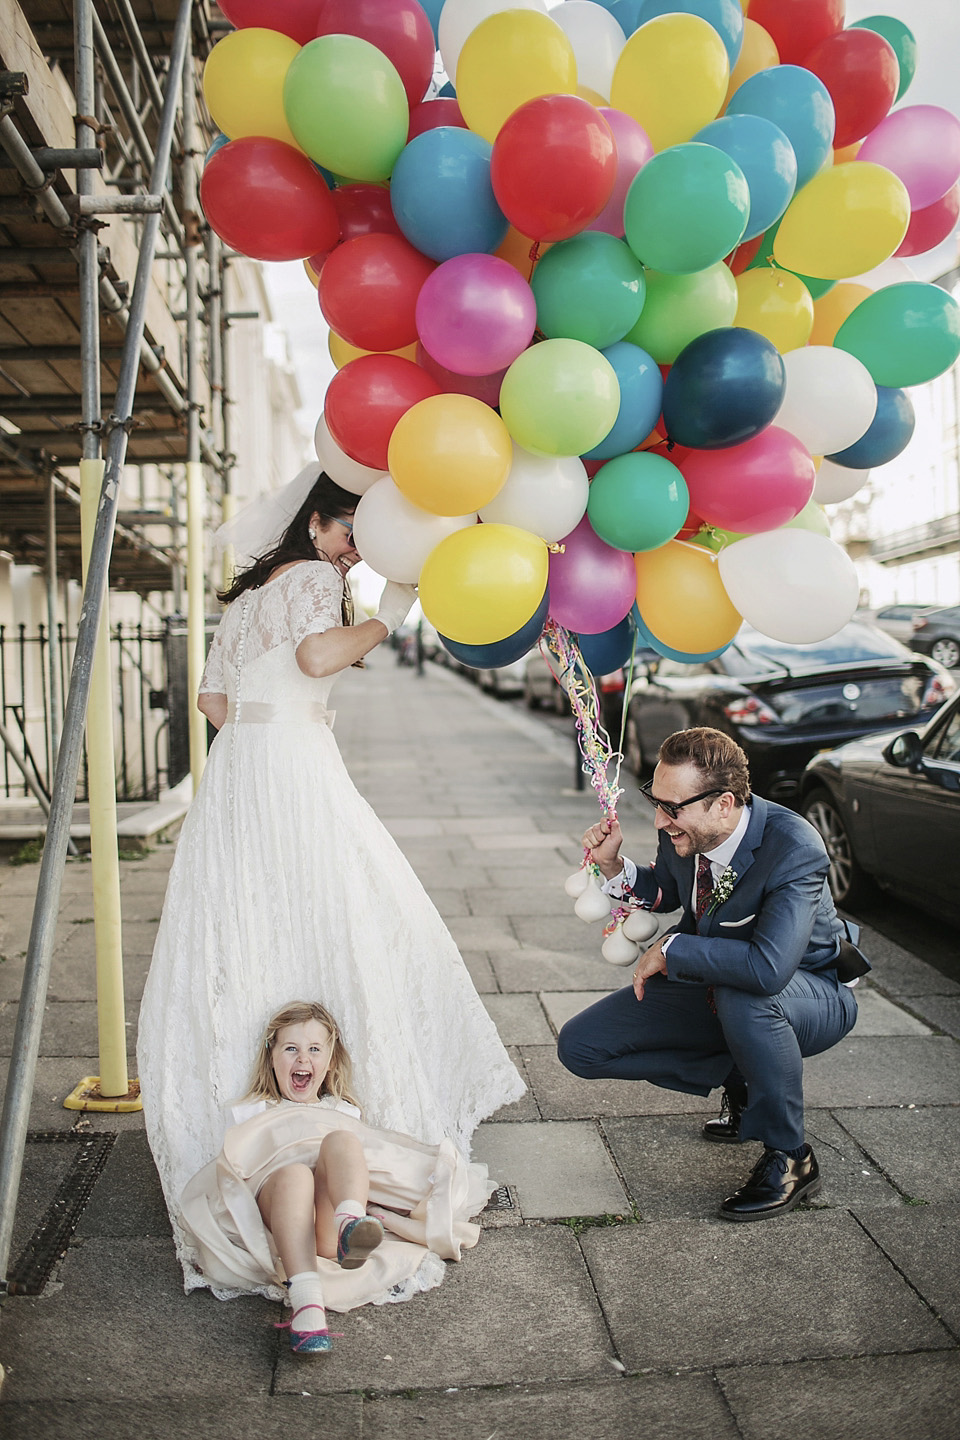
(597, 39)
(395, 537)
(593, 904)
(890, 272)
(830, 398)
(792, 585)
(837, 482)
(618, 949)
(459, 18)
(576, 883)
(545, 494)
(640, 925)
(348, 473)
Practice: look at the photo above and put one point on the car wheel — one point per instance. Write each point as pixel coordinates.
(947, 651)
(632, 751)
(848, 882)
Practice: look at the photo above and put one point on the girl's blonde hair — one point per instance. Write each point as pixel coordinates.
(338, 1079)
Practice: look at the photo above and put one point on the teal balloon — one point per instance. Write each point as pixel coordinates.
(686, 209)
(589, 288)
(638, 501)
(902, 41)
(764, 258)
(905, 334)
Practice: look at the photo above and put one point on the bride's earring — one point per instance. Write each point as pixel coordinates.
(312, 534)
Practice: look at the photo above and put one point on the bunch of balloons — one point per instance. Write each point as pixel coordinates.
(616, 312)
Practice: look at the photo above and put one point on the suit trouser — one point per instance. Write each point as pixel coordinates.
(674, 1039)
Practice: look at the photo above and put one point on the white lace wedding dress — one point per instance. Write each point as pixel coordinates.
(285, 886)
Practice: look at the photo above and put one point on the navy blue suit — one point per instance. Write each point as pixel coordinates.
(755, 988)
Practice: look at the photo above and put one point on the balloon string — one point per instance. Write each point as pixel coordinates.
(533, 257)
(568, 668)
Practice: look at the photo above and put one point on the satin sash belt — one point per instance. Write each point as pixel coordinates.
(263, 712)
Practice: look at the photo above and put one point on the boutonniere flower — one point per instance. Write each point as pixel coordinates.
(722, 890)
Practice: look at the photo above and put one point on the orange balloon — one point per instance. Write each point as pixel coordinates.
(521, 252)
(847, 152)
(681, 598)
(758, 52)
(830, 311)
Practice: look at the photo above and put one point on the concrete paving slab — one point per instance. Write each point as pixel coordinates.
(562, 1005)
(923, 1241)
(45, 1166)
(54, 1081)
(530, 968)
(271, 1417)
(519, 1308)
(558, 1169)
(519, 1019)
(562, 1096)
(562, 930)
(526, 1107)
(69, 1027)
(675, 1408)
(876, 1015)
(884, 1070)
(538, 840)
(942, 1011)
(451, 903)
(483, 932)
(885, 1397)
(540, 899)
(481, 971)
(918, 1149)
(511, 824)
(901, 974)
(127, 1201)
(714, 1294)
(413, 828)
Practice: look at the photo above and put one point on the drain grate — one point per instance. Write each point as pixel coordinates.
(50, 1239)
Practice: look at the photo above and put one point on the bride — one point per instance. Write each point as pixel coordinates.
(286, 884)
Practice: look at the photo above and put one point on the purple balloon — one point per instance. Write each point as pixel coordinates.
(920, 144)
(481, 387)
(592, 586)
(475, 314)
(634, 149)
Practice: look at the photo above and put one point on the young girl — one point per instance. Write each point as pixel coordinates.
(290, 1198)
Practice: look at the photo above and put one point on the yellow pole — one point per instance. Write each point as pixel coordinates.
(196, 617)
(101, 772)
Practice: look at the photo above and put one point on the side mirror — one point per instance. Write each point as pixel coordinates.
(905, 751)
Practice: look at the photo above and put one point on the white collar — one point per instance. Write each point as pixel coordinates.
(723, 853)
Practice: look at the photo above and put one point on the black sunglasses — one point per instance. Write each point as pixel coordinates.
(671, 807)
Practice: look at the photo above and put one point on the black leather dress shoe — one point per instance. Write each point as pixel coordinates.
(777, 1184)
(726, 1128)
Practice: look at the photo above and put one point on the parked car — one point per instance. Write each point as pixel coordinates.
(505, 680)
(540, 686)
(937, 633)
(783, 703)
(896, 620)
(888, 808)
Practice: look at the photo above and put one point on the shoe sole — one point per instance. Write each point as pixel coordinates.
(364, 1239)
(807, 1193)
(721, 1139)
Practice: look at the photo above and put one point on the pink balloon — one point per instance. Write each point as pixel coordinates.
(920, 144)
(634, 148)
(931, 225)
(475, 314)
(481, 387)
(431, 113)
(592, 586)
(756, 486)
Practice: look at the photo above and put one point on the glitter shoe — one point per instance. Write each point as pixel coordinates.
(357, 1239)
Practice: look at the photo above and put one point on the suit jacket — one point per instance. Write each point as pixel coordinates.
(780, 915)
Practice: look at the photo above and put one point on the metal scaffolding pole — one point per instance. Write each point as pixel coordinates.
(26, 1041)
(53, 658)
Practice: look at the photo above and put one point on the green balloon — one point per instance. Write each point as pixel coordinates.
(764, 257)
(900, 39)
(560, 397)
(638, 501)
(811, 518)
(346, 106)
(590, 288)
(686, 209)
(904, 334)
(711, 537)
(678, 308)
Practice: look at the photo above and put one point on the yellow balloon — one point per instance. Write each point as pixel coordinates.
(510, 58)
(243, 83)
(775, 304)
(484, 583)
(830, 311)
(844, 222)
(450, 454)
(593, 96)
(681, 598)
(672, 77)
(758, 52)
(311, 274)
(342, 352)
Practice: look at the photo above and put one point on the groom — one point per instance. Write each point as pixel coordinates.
(753, 977)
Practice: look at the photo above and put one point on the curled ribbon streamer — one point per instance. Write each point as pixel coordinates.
(562, 654)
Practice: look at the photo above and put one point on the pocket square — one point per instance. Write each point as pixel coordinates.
(735, 924)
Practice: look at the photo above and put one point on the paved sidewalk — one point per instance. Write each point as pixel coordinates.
(609, 1300)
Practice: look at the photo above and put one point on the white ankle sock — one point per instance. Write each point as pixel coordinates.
(306, 1290)
(348, 1210)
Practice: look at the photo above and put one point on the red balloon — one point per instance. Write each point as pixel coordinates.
(399, 28)
(296, 18)
(795, 26)
(365, 400)
(268, 201)
(740, 259)
(758, 485)
(931, 224)
(553, 166)
(368, 291)
(861, 71)
(691, 526)
(481, 387)
(364, 210)
(431, 113)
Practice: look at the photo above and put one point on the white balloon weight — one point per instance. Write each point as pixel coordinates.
(395, 537)
(792, 585)
(593, 904)
(597, 39)
(830, 398)
(836, 483)
(459, 18)
(640, 925)
(545, 494)
(348, 473)
(618, 949)
(576, 883)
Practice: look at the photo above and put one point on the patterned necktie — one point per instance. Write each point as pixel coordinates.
(704, 887)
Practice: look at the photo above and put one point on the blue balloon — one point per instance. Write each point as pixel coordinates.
(722, 389)
(608, 651)
(442, 197)
(650, 639)
(799, 103)
(641, 396)
(501, 652)
(725, 16)
(891, 432)
(218, 144)
(627, 14)
(766, 158)
(431, 9)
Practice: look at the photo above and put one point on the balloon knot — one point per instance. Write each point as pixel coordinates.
(556, 548)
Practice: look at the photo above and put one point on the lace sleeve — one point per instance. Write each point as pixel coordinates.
(315, 600)
(213, 680)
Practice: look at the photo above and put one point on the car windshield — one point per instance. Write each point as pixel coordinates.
(856, 643)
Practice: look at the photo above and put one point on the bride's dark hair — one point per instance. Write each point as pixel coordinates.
(328, 500)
